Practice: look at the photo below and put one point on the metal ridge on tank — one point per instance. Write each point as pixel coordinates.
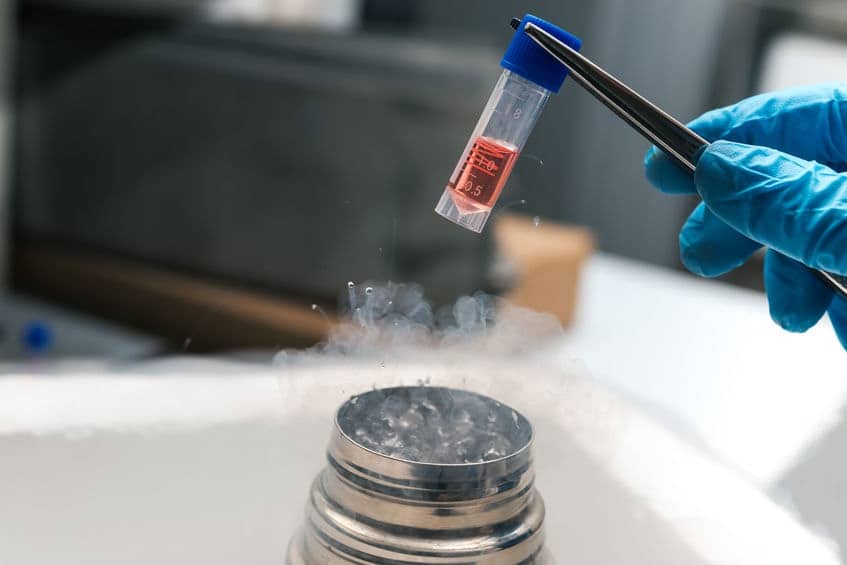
(371, 507)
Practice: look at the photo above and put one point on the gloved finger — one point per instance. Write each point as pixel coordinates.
(796, 296)
(666, 175)
(838, 316)
(807, 122)
(709, 247)
(796, 207)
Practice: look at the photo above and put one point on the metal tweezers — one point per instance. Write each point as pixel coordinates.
(660, 128)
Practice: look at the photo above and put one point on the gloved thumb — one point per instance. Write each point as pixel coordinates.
(791, 205)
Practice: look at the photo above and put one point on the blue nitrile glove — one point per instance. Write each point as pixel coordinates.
(772, 180)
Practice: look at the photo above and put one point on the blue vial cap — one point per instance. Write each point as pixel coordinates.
(528, 59)
(37, 337)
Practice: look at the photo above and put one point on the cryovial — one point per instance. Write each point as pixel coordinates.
(530, 75)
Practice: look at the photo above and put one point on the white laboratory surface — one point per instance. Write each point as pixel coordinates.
(707, 357)
(201, 461)
(796, 59)
(188, 461)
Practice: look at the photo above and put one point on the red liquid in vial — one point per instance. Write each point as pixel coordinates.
(483, 174)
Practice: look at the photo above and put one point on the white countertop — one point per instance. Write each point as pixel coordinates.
(190, 461)
(707, 355)
(155, 442)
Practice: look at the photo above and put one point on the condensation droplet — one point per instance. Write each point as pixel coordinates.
(321, 311)
(369, 290)
(351, 294)
(533, 157)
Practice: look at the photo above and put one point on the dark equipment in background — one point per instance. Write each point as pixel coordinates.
(257, 156)
(148, 136)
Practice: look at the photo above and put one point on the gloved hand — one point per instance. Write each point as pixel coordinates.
(772, 180)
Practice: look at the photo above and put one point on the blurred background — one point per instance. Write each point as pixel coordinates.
(206, 176)
(170, 165)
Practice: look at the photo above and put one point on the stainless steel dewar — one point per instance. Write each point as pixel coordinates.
(424, 475)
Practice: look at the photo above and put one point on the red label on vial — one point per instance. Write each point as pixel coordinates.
(485, 171)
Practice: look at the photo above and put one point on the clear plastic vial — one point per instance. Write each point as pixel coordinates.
(530, 76)
(491, 153)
